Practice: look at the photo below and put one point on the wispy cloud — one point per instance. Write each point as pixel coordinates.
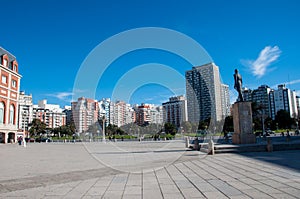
(296, 81)
(65, 96)
(267, 56)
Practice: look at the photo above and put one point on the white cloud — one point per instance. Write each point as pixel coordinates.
(266, 57)
(65, 96)
(296, 81)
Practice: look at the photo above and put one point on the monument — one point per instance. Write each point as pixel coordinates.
(242, 116)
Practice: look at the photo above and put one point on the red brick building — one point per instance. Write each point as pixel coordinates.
(9, 95)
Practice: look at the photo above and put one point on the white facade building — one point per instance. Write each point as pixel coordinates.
(51, 114)
(25, 111)
(175, 110)
(225, 100)
(104, 110)
(284, 99)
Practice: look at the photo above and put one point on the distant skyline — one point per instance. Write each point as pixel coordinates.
(51, 39)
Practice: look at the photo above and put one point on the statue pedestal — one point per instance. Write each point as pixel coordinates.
(242, 123)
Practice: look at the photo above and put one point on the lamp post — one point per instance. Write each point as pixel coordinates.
(103, 129)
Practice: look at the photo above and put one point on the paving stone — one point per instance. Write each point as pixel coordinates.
(152, 193)
(215, 194)
(254, 193)
(190, 176)
(173, 196)
(282, 196)
(133, 190)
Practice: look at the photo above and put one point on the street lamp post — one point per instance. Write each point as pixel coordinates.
(103, 129)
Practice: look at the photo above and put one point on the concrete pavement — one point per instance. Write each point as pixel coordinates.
(144, 170)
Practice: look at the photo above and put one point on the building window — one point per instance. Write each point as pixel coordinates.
(14, 83)
(14, 67)
(4, 79)
(1, 112)
(11, 114)
(5, 62)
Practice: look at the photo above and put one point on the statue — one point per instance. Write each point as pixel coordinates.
(238, 84)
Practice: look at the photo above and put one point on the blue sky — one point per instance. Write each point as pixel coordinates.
(52, 38)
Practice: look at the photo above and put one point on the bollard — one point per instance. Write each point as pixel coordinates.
(211, 148)
(187, 144)
(24, 142)
(196, 144)
(269, 145)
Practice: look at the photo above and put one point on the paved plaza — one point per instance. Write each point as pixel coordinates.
(152, 170)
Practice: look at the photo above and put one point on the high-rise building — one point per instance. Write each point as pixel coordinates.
(298, 105)
(156, 114)
(271, 101)
(85, 113)
(225, 97)
(69, 116)
(148, 113)
(118, 113)
(25, 111)
(104, 110)
(284, 99)
(175, 110)
(51, 114)
(142, 113)
(261, 96)
(203, 92)
(9, 97)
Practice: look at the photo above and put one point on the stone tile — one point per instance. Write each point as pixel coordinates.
(292, 191)
(191, 193)
(131, 196)
(173, 196)
(215, 194)
(266, 189)
(282, 196)
(152, 194)
(225, 188)
(96, 191)
(113, 194)
(254, 193)
(133, 190)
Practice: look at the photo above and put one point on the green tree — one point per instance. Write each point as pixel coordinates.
(228, 124)
(170, 128)
(204, 124)
(186, 126)
(284, 119)
(37, 127)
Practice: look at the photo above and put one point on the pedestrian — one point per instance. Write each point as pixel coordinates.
(20, 140)
(288, 136)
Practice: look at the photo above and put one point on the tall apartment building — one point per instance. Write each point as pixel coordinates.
(85, 113)
(69, 116)
(225, 100)
(298, 105)
(203, 92)
(175, 110)
(261, 96)
(283, 99)
(25, 111)
(104, 110)
(271, 101)
(51, 114)
(156, 114)
(9, 96)
(146, 114)
(120, 113)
